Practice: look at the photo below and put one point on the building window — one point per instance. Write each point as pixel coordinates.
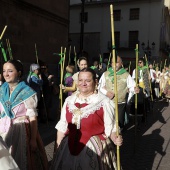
(134, 14)
(117, 39)
(117, 15)
(84, 18)
(133, 39)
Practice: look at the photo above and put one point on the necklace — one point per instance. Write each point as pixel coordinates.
(84, 97)
(12, 87)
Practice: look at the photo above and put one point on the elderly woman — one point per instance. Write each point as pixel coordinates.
(34, 79)
(18, 123)
(86, 130)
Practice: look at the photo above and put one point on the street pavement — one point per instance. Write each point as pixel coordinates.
(48, 135)
(147, 149)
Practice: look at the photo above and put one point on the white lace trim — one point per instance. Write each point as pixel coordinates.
(95, 102)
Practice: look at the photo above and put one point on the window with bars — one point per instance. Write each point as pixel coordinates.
(117, 15)
(134, 14)
(133, 39)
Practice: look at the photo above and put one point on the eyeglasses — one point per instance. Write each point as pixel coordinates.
(140, 62)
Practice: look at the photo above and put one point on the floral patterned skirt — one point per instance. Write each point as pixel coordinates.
(96, 155)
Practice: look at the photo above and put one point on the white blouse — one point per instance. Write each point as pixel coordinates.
(31, 106)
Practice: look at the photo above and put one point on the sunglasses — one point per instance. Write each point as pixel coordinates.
(140, 62)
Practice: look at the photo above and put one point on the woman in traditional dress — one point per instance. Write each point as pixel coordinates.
(163, 81)
(18, 123)
(86, 130)
(34, 79)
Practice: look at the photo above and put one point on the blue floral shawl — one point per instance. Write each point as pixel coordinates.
(20, 94)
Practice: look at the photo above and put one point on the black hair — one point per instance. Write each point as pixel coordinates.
(83, 58)
(88, 69)
(126, 65)
(142, 59)
(18, 65)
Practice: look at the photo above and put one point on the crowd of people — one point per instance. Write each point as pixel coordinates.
(86, 130)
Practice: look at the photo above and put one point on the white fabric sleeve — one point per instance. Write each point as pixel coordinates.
(133, 74)
(62, 124)
(131, 86)
(109, 117)
(101, 86)
(31, 105)
(130, 83)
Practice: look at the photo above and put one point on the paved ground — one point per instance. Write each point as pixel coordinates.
(48, 134)
(147, 149)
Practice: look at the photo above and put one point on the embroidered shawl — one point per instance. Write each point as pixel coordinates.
(20, 94)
